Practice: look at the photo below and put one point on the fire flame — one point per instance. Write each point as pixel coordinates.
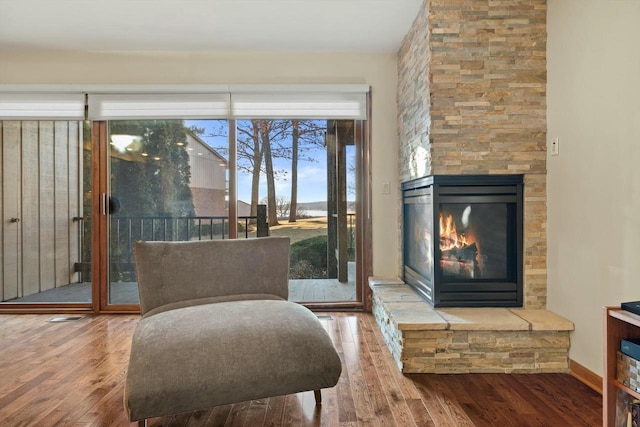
(449, 238)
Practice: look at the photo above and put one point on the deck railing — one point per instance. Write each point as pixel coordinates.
(160, 228)
(130, 229)
(124, 231)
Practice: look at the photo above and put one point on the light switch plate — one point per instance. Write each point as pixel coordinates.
(555, 146)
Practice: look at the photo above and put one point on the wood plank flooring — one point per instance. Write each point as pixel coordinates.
(72, 374)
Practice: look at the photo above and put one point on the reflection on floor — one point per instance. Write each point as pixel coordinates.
(300, 290)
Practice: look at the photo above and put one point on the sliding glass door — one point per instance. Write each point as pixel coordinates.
(303, 173)
(168, 180)
(85, 176)
(165, 184)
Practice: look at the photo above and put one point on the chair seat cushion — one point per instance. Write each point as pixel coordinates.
(200, 356)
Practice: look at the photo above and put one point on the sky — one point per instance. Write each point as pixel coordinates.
(312, 175)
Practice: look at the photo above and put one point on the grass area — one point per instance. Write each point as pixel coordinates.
(300, 230)
(308, 246)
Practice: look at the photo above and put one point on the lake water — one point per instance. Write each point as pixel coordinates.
(314, 213)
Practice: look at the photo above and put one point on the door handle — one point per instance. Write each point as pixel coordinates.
(114, 205)
(110, 204)
(14, 220)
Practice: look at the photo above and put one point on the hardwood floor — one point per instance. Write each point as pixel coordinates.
(72, 374)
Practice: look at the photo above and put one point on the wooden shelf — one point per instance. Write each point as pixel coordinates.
(625, 316)
(626, 389)
(618, 325)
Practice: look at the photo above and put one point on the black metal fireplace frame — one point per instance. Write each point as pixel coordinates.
(437, 189)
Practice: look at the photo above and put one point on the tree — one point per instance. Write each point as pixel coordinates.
(150, 178)
(282, 206)
(250, 155)
(259, 142)
(351, 173)
(265, 135)
(295, 137)
(304, 134)
(153, 179)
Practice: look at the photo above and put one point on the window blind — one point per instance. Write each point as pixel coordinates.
(127, 102)
(41, 106)
(158, 106)
(299, 105)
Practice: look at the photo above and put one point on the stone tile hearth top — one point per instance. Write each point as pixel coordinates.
(395, 293)
(483, 319)
(408, 311)
(415, 316)
(544, 320)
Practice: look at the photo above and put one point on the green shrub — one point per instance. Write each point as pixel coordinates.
(308, 259)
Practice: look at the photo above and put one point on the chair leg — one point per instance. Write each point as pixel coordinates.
(142, 423)
(318, 396)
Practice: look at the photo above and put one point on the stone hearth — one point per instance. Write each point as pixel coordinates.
(467, 340)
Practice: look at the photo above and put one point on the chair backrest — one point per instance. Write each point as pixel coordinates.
(171, 272)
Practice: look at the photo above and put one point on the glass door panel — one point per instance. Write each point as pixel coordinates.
(169, 180)
(166, 183)
(46, 213)
(303, 173)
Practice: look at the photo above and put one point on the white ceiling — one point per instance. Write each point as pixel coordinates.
(206, 25)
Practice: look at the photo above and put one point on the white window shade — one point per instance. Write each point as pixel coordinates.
(131, 102)
(299, 106)
(41, 106)
(158, 106)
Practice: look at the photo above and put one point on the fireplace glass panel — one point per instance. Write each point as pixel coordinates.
(474, 241)
(418, 237)
(462, 239)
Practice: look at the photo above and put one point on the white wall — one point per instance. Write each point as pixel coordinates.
(377, 70)
(594, 184)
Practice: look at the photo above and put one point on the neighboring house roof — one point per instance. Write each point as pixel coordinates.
(204, 145)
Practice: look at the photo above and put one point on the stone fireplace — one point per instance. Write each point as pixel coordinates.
(462, 239)
(472, 102)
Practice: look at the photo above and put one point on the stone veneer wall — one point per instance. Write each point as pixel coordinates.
(475, 351)
(472, 100)
(423, 339)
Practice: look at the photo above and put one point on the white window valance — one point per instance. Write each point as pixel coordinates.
(41, 106)
(193, 102)
(158, 106)
(299, 106)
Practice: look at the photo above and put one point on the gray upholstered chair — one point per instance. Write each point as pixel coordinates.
(217, 328)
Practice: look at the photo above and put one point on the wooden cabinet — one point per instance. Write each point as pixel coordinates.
(618, 324)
